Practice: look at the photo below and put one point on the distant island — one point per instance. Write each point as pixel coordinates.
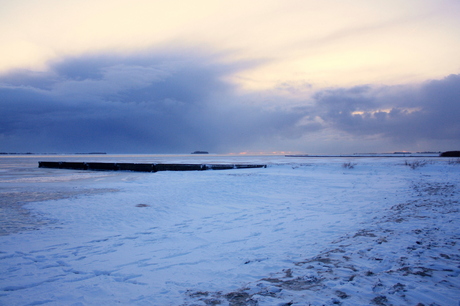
(200, 152)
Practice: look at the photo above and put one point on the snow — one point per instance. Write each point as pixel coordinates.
(302, 231)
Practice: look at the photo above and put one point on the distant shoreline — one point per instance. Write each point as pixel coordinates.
(369, 155)
(29, 153)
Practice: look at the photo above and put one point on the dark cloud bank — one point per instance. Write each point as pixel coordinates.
(175, 104)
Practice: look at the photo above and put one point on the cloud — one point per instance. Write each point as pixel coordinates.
(144, 104)
(170, 103)
(402, 114)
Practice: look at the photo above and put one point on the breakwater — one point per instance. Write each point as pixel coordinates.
(142, 167)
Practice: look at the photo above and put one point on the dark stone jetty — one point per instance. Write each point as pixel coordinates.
(142, 167)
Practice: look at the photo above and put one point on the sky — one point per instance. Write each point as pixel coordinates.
(150, 77)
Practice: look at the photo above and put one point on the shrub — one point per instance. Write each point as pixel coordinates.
(416, 164)
(454, 161)
(348, 165)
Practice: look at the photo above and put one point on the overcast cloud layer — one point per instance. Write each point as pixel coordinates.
(177, 104)
(306, 76)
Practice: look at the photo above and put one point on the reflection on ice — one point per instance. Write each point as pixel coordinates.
(16, 218)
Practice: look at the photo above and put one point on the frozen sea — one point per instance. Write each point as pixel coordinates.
(304, 230)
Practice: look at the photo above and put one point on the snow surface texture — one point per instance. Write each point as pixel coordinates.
(318, 231)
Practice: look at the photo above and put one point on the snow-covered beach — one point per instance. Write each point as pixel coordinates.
(319, 231)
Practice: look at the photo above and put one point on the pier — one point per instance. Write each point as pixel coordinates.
(142, 167)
